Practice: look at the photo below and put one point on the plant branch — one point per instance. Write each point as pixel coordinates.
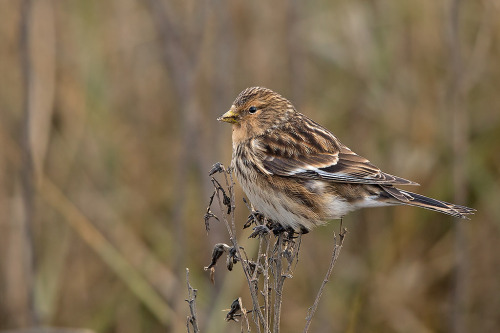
(277, 262)
(231, 228)
(192, 293)
(335, 255)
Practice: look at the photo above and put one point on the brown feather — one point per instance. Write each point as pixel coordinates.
(299, 174)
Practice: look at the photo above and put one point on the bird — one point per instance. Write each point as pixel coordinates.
(298, 174)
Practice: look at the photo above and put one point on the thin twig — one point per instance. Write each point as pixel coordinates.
(460, 146)
(284, 243)
(191, 319)
(132, 278)
(231, 228)
(244, 314)
(27, 170)
(335, 255)
(267, 289)
(269, 262)
(279, 281)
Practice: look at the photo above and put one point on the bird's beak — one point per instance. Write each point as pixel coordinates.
(230, 116)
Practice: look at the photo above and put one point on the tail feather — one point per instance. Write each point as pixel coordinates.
(417, 200)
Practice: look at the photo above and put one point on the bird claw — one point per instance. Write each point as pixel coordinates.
(254, 217)
(277, 228)
(259, 231)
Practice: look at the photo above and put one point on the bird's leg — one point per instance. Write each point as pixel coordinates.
(254, 217)
(276, 227)
(260, 231)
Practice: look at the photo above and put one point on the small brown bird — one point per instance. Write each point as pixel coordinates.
(297, 173)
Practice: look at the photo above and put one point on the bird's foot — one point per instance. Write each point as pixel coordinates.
(259, 231)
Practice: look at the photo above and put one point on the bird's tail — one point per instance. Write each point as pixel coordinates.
(417, 200)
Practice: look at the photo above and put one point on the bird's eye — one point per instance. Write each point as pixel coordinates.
(252, 109)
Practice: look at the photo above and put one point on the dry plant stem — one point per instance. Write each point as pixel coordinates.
(278, 289)
(267, 290)
(27, 170)
(255, 278)
(254, 283)
(54, 197)
(231, 228)
(191, 319)
(280, 275)
(110, 255)
(268, 262)
(460, 147)
(335, 255)
(244, 314)
(263, 257)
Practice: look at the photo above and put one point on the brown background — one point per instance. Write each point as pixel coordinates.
(101, 207)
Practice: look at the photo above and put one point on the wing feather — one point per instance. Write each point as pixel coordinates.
(311, 151)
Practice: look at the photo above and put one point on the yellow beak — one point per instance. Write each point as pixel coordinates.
(229, 117)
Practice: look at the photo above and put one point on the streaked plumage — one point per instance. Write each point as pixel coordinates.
(297, 173)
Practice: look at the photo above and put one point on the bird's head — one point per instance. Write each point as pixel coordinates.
(257, 110)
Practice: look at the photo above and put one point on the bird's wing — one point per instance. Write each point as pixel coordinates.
(317, 155)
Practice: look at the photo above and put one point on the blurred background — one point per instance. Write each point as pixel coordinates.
(108, 131)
